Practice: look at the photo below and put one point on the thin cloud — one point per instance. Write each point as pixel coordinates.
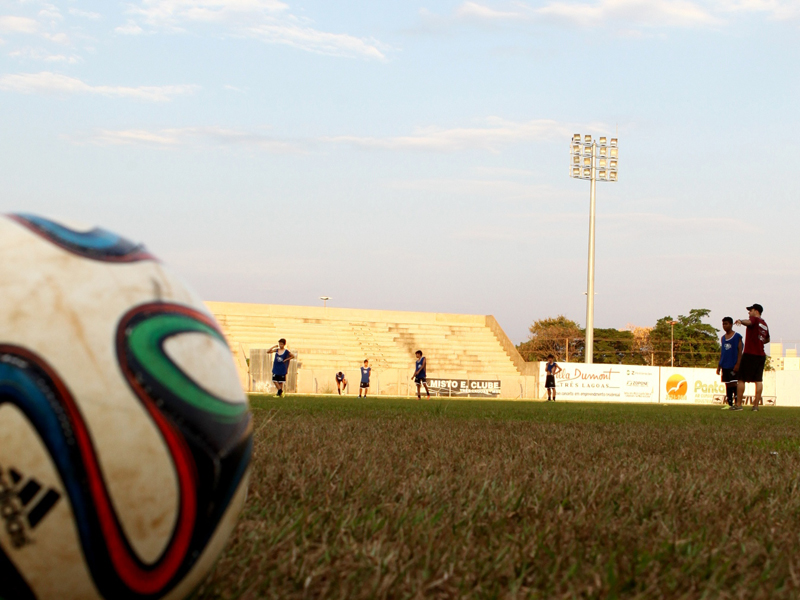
(640, 220)
(54, 83)
(471, 10)
(12, 24)
(86, 14)
(780, 10)
(130, 28)
(191, 137)
(43, 55)
(494, 135)
(267, 20)
(651, 13)
(648, 13)
(175, 13)
(313, 40)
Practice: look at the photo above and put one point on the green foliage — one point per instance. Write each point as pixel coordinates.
(557, 336)
(696, 343)
(613, 346)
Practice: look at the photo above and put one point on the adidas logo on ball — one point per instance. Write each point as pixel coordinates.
(23, 504)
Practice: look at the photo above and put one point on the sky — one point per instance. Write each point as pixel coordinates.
(415, 155)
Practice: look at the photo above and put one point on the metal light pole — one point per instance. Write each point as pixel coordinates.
(324, 301)
(590, 275)
(592, 160)
(672, 343)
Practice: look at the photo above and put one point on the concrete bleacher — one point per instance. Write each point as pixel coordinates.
(332, 339)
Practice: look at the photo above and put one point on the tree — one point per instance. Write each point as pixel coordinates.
(696, 343)
(557, 336)
(613, 346)
(642, 345)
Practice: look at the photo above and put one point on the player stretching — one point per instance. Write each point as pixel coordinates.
(280, 366)
(341, 383)
(730, 358)
(753, 357)
(365, 372)
(420, 376)
(550, 381)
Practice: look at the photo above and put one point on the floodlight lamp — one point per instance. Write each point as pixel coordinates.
(613, 142)
(576, 149)
(576, 160)
(612, 175)
(587, 139)
(576, 138)
(587, 150)
(587, 173)
(576, 171)
(612, 152)
(587, 161)
(602, 151)
(603, 140)
(602, 163)
(601, 175)
(612, 164)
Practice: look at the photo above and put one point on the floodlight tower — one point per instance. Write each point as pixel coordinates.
(592, 160)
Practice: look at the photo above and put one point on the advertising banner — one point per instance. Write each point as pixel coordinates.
(464, 388)
(626, 383)
(690, 386)
(703, 386)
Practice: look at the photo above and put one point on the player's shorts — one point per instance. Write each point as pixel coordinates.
(729, 376)
(752, 368)
(550, 382)
(278, 378)
(420, 379)
(364, 384)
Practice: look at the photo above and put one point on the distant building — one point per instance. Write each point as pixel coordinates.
(783, 362)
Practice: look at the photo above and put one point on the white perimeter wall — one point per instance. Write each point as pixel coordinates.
(630, 383)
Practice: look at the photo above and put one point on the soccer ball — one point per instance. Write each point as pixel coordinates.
(125, 437)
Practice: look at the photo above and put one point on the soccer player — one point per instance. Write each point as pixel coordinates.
(753, 357)
(365, 372)
(730, 359)
(341, 383)
(420, 375)
(552, 370)
(280, 366)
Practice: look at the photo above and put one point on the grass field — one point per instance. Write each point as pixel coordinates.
(396, 498)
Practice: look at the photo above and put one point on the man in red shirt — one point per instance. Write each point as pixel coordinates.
(753, 357)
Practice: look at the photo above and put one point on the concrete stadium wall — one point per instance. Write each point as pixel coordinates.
(524, 368)
(787, 387)
(504, 363)
(342, 314)
(396, 382)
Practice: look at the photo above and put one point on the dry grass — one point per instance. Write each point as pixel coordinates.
(405, 499)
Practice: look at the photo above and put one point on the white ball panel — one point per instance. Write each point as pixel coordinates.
(52, 564)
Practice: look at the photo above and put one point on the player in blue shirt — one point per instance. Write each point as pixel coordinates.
(341, 383)
(365, 372)
(552, 369)
(280, 366)
(420, 374)
(730, 358)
